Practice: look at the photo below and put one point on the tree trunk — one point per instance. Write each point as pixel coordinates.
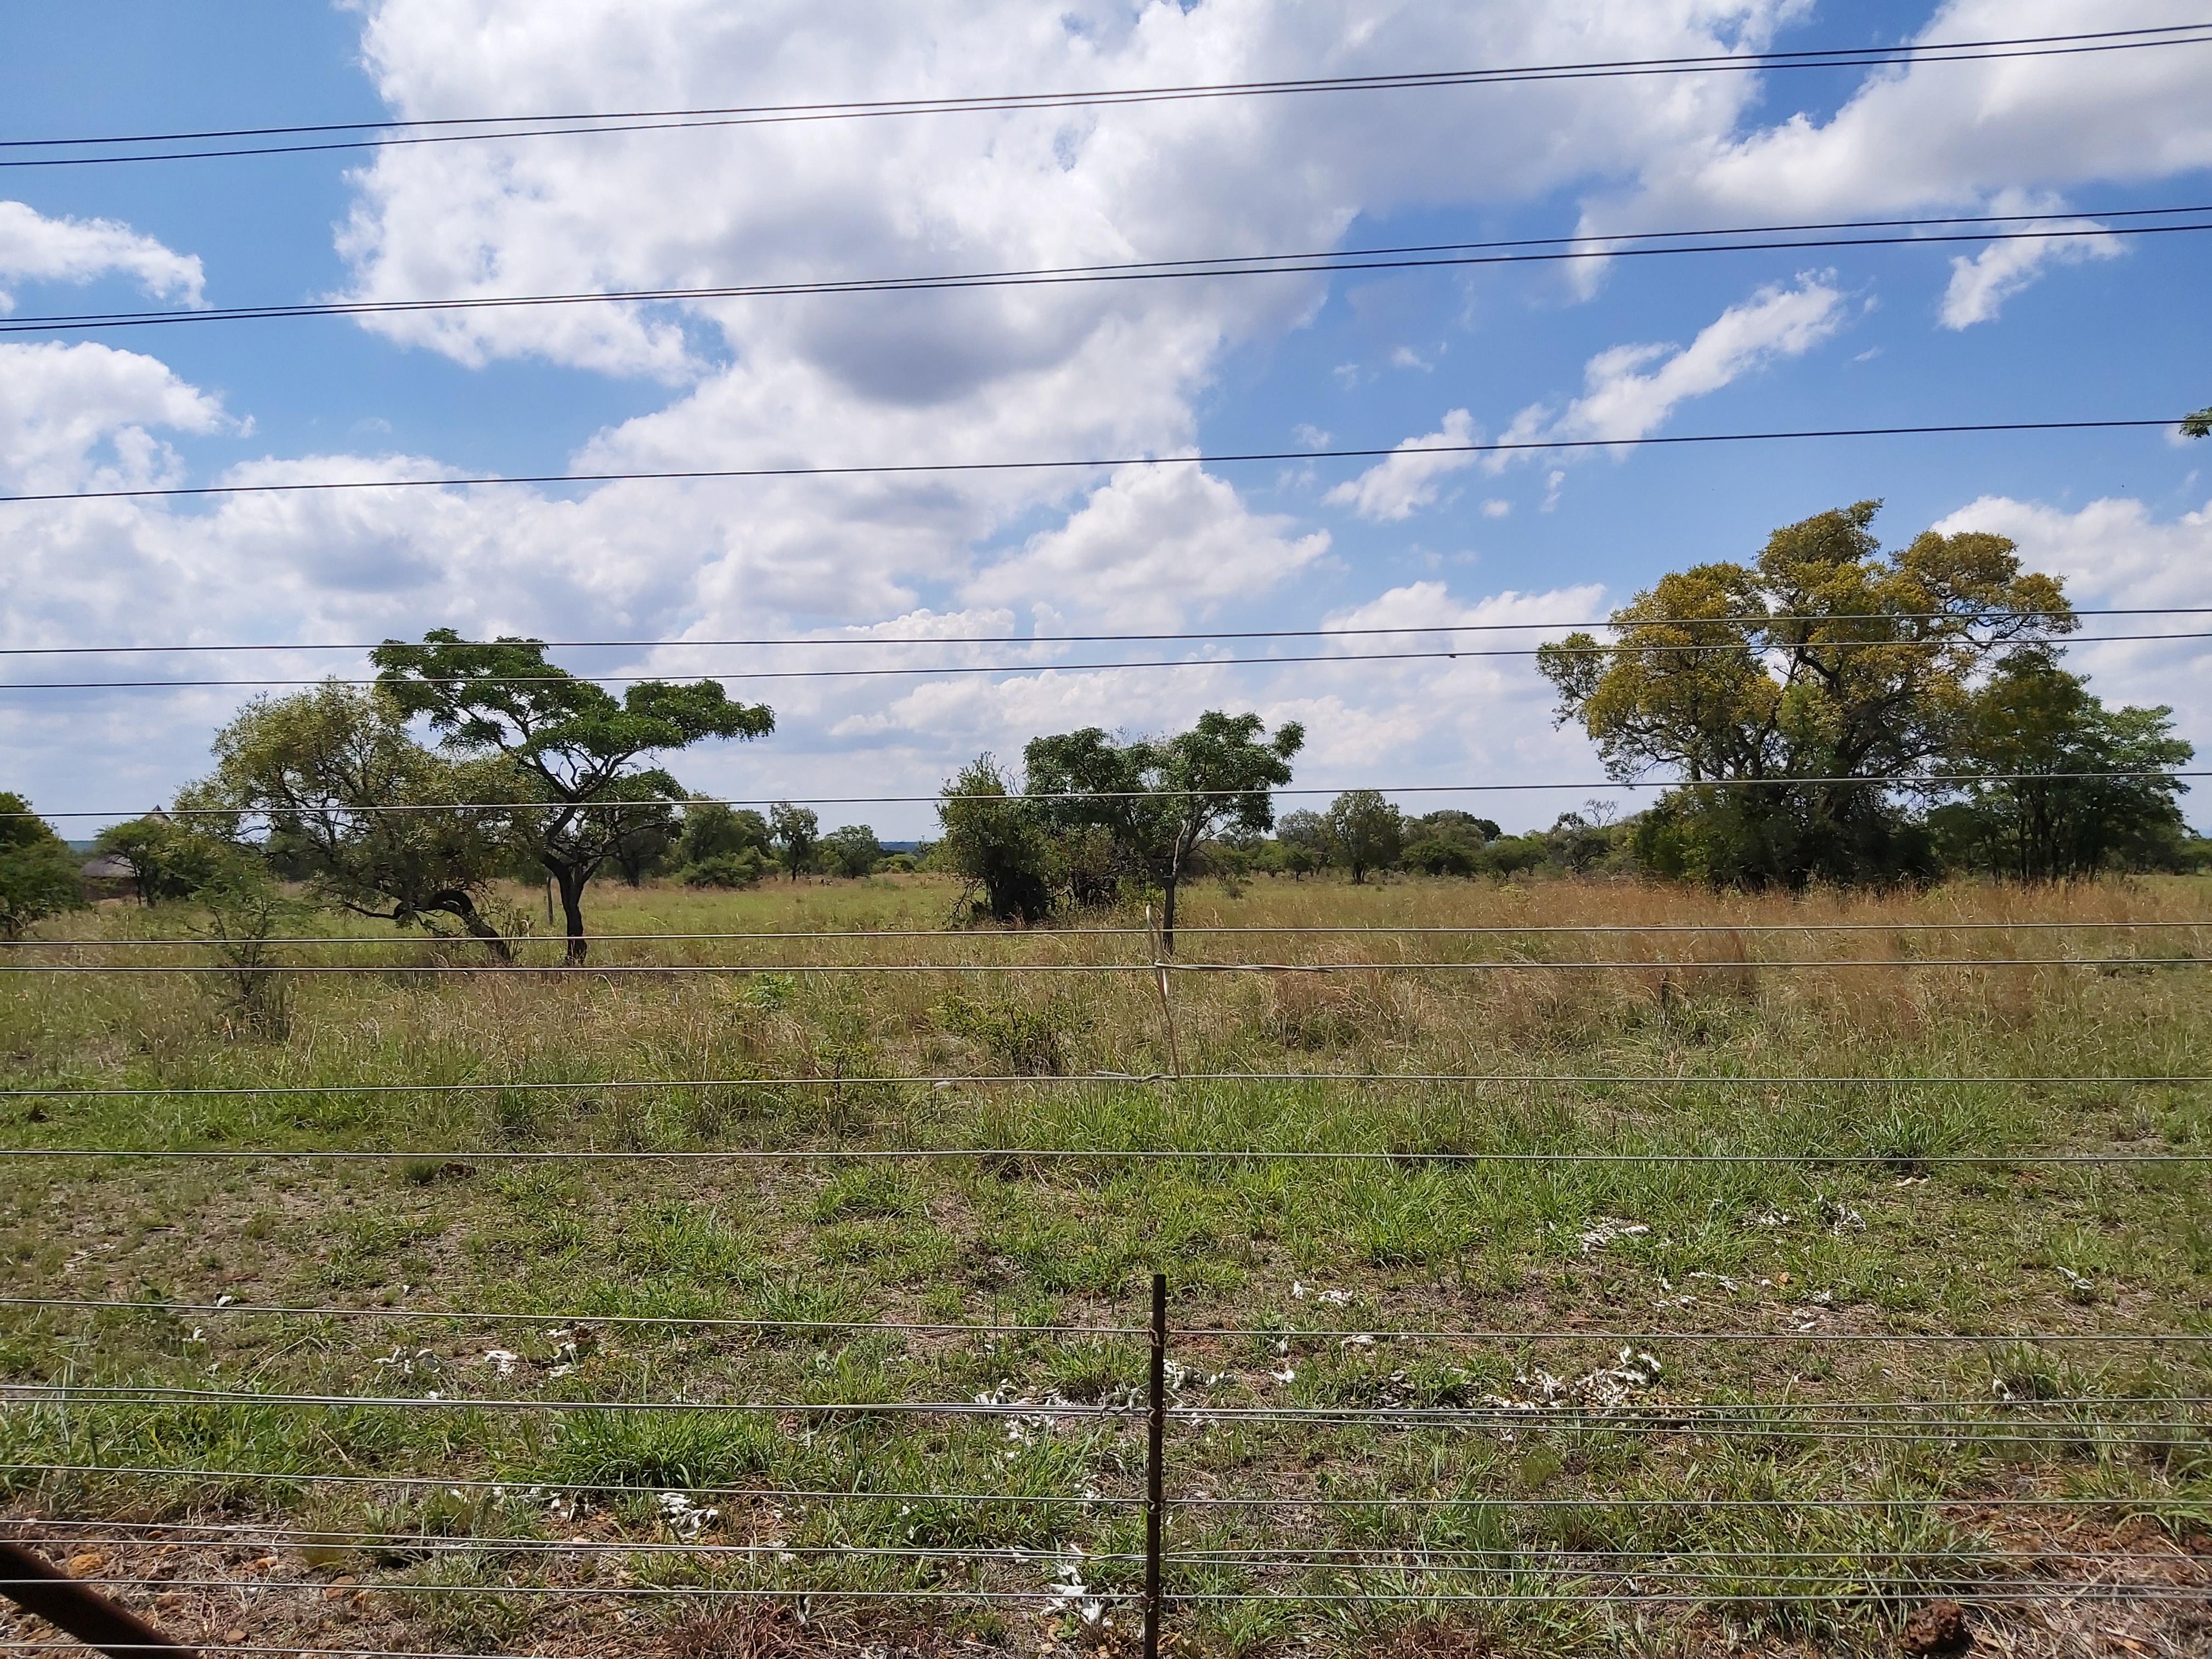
(463, 909)
(1167, 914)
(571, 881)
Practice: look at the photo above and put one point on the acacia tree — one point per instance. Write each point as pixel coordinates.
(321, 772)
(1827, 661)
(575, 750)
(1162, 799)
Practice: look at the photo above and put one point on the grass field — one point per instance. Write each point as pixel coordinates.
(1894, 1351)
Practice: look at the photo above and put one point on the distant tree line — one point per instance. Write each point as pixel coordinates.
(1830, 712)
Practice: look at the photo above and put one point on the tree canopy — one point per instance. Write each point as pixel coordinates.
(1160, 800)
(2062, 803)
(39, 875)
(1828, 668)
(318, 770)
(577, 751)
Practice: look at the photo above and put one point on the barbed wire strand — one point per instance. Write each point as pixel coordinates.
(1726, 965)
(1145, 1154)
(525, 1487)
(1040, 935)
(1733, 1079)
(1182, 1332)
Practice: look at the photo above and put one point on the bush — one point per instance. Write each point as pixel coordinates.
(852, 852)
(1440, 856)
(743, 868)
(39, 873)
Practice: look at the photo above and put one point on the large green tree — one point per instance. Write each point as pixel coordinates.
(167, 859)
(352, 804)
(1816, 684)
(2078, 785)
(578, 753)
(1365, 832)
(1162, 799)
(39, 873)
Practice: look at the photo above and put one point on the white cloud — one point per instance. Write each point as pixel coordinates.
(1410, 478)
(1632, 389)
(1936, 135)
(35, 248)
(77, 416)
(2113, 553)
(1497, 510)
(1980, 285)
(1406, 357)
(1155, 541)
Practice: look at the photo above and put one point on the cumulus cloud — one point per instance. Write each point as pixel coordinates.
(35, 248)
(1939, 135)
(78, 416)
(2114, 553)
(1411, 476)
(1156, 541)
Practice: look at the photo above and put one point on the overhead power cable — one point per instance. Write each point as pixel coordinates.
(1418, 256)
(917, 469)
(1780, 619)
(320, 137)
(934, 671)
(1931, 780)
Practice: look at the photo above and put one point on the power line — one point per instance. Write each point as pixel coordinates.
(1769, 620)
(944, 468)
(480, 128)
(563, 677)
(1944, 780)
(1420, 256)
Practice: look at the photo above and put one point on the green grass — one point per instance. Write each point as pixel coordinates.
(1568, 1498)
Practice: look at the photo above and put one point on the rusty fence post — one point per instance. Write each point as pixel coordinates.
(37, 1586)
(1155, 1485)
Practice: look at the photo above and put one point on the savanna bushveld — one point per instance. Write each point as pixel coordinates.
(1784, 1198)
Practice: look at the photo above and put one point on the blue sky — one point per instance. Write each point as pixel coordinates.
(1853, 337)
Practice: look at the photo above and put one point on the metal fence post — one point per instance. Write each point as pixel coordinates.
(1155, 1497)
(37, 1586)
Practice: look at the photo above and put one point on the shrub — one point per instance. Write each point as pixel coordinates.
(37, 873)
(743, 868)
